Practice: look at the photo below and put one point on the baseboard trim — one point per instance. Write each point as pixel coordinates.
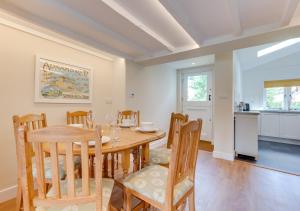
(279, 140)
(8, 193)
(223, 155)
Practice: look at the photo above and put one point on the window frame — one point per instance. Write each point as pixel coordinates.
(287, 98)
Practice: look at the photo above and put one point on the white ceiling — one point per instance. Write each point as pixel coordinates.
(193, 62)
(248, 59)
(143, 29)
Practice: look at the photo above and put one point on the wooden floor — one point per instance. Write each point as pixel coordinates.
(206, 146)
(237, 186)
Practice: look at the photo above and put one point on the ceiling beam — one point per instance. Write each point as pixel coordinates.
(175, 9)
(245, 42)
(235, 14)
(97, 26)
(126, 14)
(289, 10)
(37, 26)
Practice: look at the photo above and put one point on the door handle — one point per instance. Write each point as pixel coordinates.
(209, 97)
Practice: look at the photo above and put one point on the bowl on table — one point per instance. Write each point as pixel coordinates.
(147, 127)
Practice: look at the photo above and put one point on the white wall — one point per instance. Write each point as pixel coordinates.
(17, 61)
(253, 79)
(223, 107)
(238, 92)
(154, 89)
(118, 85)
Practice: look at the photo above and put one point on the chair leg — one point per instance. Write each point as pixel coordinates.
(192, 201)
(19, 197)
(112, 165)
(117, 160)
(127, 200)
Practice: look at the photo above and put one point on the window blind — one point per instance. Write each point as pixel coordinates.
(282, 83)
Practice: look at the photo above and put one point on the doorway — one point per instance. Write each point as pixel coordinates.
(196, 97)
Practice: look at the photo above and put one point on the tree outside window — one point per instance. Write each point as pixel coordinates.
(283, 98)
(197, 88)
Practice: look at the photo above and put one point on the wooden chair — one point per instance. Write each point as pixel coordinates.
(169, 188)
(162, 155)
(32, 122)
(78, 117)
(129, 114)
(69, 194)
(135, 117)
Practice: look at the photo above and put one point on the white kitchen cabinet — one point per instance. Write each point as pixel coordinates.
(270, 124)
(246, 133)
(289, 126)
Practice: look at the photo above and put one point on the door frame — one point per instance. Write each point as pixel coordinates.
(204, 68)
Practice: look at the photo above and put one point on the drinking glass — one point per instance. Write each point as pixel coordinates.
(91, 120)
(115, 133)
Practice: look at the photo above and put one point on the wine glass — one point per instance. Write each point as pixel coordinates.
(90, 120)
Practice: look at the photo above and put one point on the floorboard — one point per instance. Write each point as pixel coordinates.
(237, 186)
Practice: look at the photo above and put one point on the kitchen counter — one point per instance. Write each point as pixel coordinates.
(247, 112)
(279, 111)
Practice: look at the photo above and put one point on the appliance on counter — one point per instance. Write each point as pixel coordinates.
(244, 106)
(246, 133)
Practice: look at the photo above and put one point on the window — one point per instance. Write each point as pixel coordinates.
(275, 98)
(197, 88)
(295, 98)
(282, 98)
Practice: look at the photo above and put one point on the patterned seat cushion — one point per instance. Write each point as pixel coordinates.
(47, 166)
(107, 187)
(160, 155)
(152, 183)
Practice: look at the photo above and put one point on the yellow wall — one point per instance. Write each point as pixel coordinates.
(17, 66)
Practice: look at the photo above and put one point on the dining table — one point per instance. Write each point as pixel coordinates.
(129, 138)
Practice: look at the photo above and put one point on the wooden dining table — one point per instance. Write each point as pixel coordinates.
(129, 139)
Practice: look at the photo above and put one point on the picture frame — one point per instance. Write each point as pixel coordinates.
(58, 81)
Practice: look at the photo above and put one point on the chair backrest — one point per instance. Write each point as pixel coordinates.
(60, 139)
(183, 156)
(177, 119)
(31, 121)
(129, 114)
(78, 117)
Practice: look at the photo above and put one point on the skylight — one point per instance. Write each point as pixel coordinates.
(278, 47)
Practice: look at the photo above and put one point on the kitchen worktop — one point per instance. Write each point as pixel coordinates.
(280, 111)
(247, 112)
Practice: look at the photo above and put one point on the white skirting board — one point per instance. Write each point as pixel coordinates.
(223, 155)
(8, 193)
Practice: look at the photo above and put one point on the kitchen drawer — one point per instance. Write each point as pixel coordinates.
(270, 124)
(290, 126)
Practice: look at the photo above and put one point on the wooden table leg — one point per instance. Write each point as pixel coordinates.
(136, 158)
(125, 162)
(105, 166)
(145, 155)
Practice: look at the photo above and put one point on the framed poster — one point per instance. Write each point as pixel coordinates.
(61, 82)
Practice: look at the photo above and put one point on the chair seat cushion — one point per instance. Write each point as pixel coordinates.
(151, 182)
(107, 187)
(160, 155)
(47, 167)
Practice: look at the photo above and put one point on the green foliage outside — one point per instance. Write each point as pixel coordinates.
(197, 88)
(295, 102)
(275, 98)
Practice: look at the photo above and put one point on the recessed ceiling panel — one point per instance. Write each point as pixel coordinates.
(106, 16)
(211, 18)
(256, 13)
